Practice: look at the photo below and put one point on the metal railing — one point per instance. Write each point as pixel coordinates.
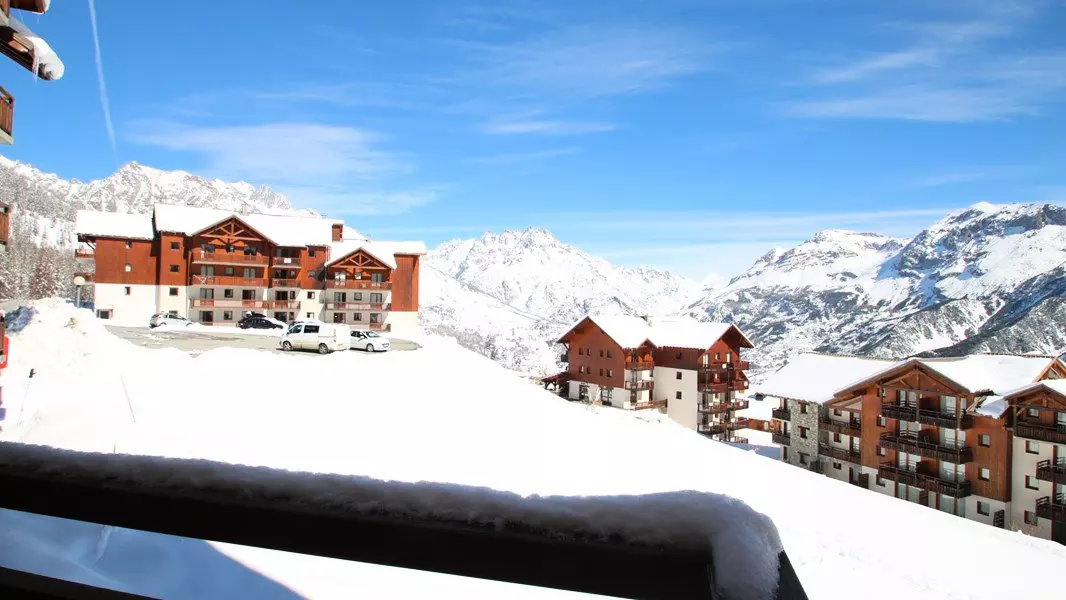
(851, 427)
(283, 304)
(1052, 507)
(721, 407)
(637, 384)
(926, 481)
(845, 454)
(782, 439)
(926, 448)
(1055, 434)
(781, 413)
(926, 416)
(1055, 472)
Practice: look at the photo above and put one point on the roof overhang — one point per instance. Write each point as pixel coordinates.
(28, 49)
(359, 249)
(896, 372)
(228, 218)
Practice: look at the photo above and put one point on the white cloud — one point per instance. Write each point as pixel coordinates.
(544, 127)
(524, 157)
(967, 175)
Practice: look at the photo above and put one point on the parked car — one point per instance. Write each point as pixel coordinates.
(259, 321)
(369, 341)
(316, 335)
(169, 320)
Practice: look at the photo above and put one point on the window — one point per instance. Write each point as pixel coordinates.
(250, 251)
(173, 268)
(837, 412)
(1032, 447)
(249, 272)
(678, 375)
(311, 274)
(881, 451)
(984, 440)
(173, 291)
(310, 315)
(803, 432)
(836, 437)
(601, 352)
(1033, 412)
(358, 316)
(310, 328)
(229, 270)
(880, 482)
(310, 296)
(311, 252)
(601, 372)
(803, 458)
(377, 277)
(175, 246)
(227, 293)
(379, 300)
(1031, 483)
(375, 317)
(227, 315)
(127, 290)
(881, 421)
(1030, 518)
(247, 294)
(207, 294)
(173, 312)
(982, 508)
(717, 356)
(836, 465)
(129, 245)
(339, 297)
(803, 408)
(678, 356)
(376, 297)
(207, 316)
(103, 314)
(677, 395)
(338, 317)
(984, 474)
(784, 453)
(359, 296)
(610, 372)
(129, 267)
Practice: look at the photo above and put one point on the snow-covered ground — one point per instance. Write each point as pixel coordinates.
(94, 392)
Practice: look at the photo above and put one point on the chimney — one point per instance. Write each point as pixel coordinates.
(338, 231)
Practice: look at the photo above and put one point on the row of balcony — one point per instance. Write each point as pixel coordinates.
(1053, 471)
(721, 407)
(926, 416)
(926, 448)
(1055, 434)
(782, 414)
(237, 303)
(782, 439)
(719, 428)
(376, 306)
(852, 427)
(640, 365)
(1052, 507)
(736, 365)
(637, 384)
(924, 480)
(846, 454)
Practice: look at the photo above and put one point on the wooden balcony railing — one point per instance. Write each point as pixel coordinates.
(228, 280)
(637, 384)
(781, 413)
(285, 283)
(926, 448)
(782, 439)
(640, 365)
(233, 258)
(1053, 471)
(926, 416)
(736, 365)
(358, 284)
(741, 423)
(7, 115)
(286, 262)
(839, 453)
(375, 306)
(711, 428)
(644, 405)
(721, 407)
(714, 388)
(1055, 434)
(226, 303)
(863, 481)
(85, 253)
(925, 481)
(283, 304)
(851, 427)
(1052, 507)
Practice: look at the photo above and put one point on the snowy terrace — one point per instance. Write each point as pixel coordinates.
(527, 449)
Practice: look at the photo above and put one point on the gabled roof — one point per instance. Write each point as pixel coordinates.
(282, 230)
(1056, 386)
(631, 332)
(384, 252)
(94, 223)
(990, 374)
(814, 377)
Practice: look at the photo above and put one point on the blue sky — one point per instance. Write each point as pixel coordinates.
(688, 134)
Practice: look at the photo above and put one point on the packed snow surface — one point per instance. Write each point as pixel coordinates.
(94, 392)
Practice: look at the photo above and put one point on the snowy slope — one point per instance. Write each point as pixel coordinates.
(989, 278)
(511, 437)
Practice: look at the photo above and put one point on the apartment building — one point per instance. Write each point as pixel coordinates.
(1036, 415)
(691, 370)
(26, 49)
(211, 266)
(931, 431)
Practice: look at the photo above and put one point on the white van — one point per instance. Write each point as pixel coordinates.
(316, 335)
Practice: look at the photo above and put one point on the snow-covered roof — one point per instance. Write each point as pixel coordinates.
(631, 332)
(384, 251)
(45, 58)
(975, 373)
(283, 230)
(1055, 385)
(814, 377)
(116, 225)
(627, 331)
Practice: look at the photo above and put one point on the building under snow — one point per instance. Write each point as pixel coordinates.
(691, 369)
(212, 265)
(27, 50)
(935, 431)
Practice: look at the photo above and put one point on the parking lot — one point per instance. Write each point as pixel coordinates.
(201, 341)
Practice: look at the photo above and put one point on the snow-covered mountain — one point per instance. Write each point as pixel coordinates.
(989, 278)
(509, 295)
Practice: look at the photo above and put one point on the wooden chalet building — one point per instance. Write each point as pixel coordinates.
(1036, 415)
(691, 370)
(26, 49)
(212, 265)
(937, 431)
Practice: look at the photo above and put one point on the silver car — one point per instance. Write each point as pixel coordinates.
(369, 341)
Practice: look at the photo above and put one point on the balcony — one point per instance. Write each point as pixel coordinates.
(782, 414)
(283, 304)
(374, 326)
(713, 388)
(7, 117)
(88, 253)
(711, 428)
(737, 365)
(1052, 507)
(863, 481)
(637, 384)
(364, 306)
(852, 427)
(643, 405)
(839, 453)
(257, 282)
(1055, 472)
(925, 481)
(226, 303)
(926, 448)
(640, 365)
(782, 439)
(925, 416)
(286, 262)
(285, 283)
(230, 258)
(358, 284)
(721, 407)
(1055, 434)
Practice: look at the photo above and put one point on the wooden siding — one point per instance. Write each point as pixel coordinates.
(677, 358)
(869, 414)
(996, 458)
(5, 224)
(1048, 402)
(594, 340)
(311, 277)
(112, 256)
(405, 283)
(168, 256)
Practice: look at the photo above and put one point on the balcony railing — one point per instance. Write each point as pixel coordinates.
(640, 365)
(711, 428)
(85, 253)
(643, 405)
(1055, 434)
(721, 407)
(286, 262)
(374, 326)
(283, 304)
(1053, 471)
(228, 280)
(1052, 507)
(925, 481)
(781, 413)
(782, 439)
(926, 448)
(358, 284)
(375, 306)
(285, 283)
(637, 384)
(863, 481)
(714, 388)
(233, 258)
(852, 427)
(7, 116)
(925, 416)
(737, 365)
(839, 453)
(226, 303)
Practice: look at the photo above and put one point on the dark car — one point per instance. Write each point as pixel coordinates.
(259, 321)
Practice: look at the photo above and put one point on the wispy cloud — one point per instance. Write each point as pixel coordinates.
(524, 157)
(544, 127)
(967, 175)
(98, 59)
